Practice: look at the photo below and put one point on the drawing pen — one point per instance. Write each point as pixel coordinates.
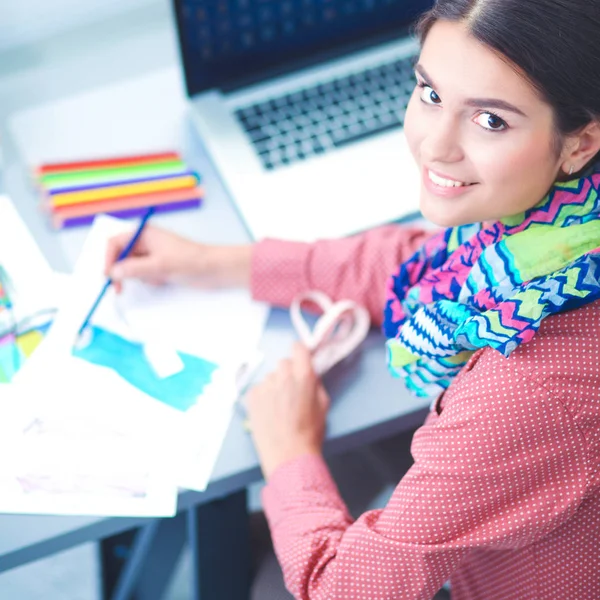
(124, 253)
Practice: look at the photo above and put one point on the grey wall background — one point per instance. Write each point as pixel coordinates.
(27, 21)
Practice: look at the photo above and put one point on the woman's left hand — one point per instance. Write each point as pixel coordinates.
(287, 412)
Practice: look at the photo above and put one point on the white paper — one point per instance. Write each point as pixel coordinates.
(221, 327)
(79, 451)
(59, 434)
(35, 284)
(164, 361)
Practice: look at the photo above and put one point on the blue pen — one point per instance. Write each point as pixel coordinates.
(121, 256)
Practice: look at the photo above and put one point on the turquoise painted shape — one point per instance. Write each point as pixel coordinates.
(127, 358)
(9, 359)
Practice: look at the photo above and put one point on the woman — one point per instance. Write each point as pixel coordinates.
(498, 319)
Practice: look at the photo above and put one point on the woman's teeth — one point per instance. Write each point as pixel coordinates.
(445, 182)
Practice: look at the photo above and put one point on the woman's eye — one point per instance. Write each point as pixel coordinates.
(491, 122)
(428, 95)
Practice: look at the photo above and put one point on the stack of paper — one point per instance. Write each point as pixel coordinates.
(130, 447)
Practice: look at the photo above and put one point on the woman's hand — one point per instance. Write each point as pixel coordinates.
(287, 412)
(161, 257)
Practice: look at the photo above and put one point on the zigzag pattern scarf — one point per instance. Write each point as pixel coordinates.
(469, 287)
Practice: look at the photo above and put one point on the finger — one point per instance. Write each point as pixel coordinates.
(323, 398)
(285, 367)
(251, 396)
(156, 281)
(113, 250)
(256, 392)
(268, 383)
(271, 378)
(136, 267)
(153, 281)
(302, 361)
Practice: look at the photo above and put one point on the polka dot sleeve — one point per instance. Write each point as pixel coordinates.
(501, 469)
(354, 268)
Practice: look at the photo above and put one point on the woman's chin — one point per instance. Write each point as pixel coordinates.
(441, 212)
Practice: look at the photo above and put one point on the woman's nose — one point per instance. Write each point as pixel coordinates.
(442, 143)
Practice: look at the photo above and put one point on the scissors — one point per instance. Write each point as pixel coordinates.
(338, 332)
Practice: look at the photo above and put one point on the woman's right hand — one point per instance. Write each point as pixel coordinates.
(160, 257)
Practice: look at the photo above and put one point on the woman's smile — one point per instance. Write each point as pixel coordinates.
(443, 185)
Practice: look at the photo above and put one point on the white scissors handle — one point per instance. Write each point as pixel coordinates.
(341, 328)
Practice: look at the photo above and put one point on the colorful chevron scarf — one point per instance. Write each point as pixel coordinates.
(469, 287)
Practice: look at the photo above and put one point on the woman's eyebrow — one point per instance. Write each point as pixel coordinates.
(494, 103)
(423, 73)
(475, 102)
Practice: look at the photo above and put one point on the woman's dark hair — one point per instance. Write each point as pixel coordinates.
(555, 43)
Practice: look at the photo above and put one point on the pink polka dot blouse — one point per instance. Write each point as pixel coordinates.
(504, 496)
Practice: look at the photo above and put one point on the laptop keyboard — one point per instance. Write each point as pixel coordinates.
(311, 121)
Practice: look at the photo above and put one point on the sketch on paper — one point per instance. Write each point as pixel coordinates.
(80, 452)
(67, 457)
(20, 334)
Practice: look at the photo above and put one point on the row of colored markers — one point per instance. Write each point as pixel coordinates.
(74, 193)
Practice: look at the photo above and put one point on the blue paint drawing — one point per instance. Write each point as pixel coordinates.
(128, 359)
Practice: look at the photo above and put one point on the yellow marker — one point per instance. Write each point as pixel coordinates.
(121, 191)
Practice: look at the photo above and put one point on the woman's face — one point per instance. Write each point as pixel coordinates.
(482, 137)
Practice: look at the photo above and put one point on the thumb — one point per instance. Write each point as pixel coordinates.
(323, 398)
(141, 267)
(302, 361)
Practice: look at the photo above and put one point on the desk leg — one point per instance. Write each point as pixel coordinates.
(151, 561)
(113, 555)
(219, 539)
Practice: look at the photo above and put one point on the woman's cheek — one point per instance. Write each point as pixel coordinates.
(411, 127)
(507, 166)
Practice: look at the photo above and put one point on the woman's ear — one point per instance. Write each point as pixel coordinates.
(581, 147)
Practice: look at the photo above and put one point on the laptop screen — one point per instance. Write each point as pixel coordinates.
(229, 43)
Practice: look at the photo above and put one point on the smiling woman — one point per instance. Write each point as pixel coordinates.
(495, 318)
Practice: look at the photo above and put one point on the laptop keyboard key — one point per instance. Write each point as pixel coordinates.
(258, 135)
(351, 139)
(317, 147)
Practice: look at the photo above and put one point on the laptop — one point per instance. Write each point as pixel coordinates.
(300, 104)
